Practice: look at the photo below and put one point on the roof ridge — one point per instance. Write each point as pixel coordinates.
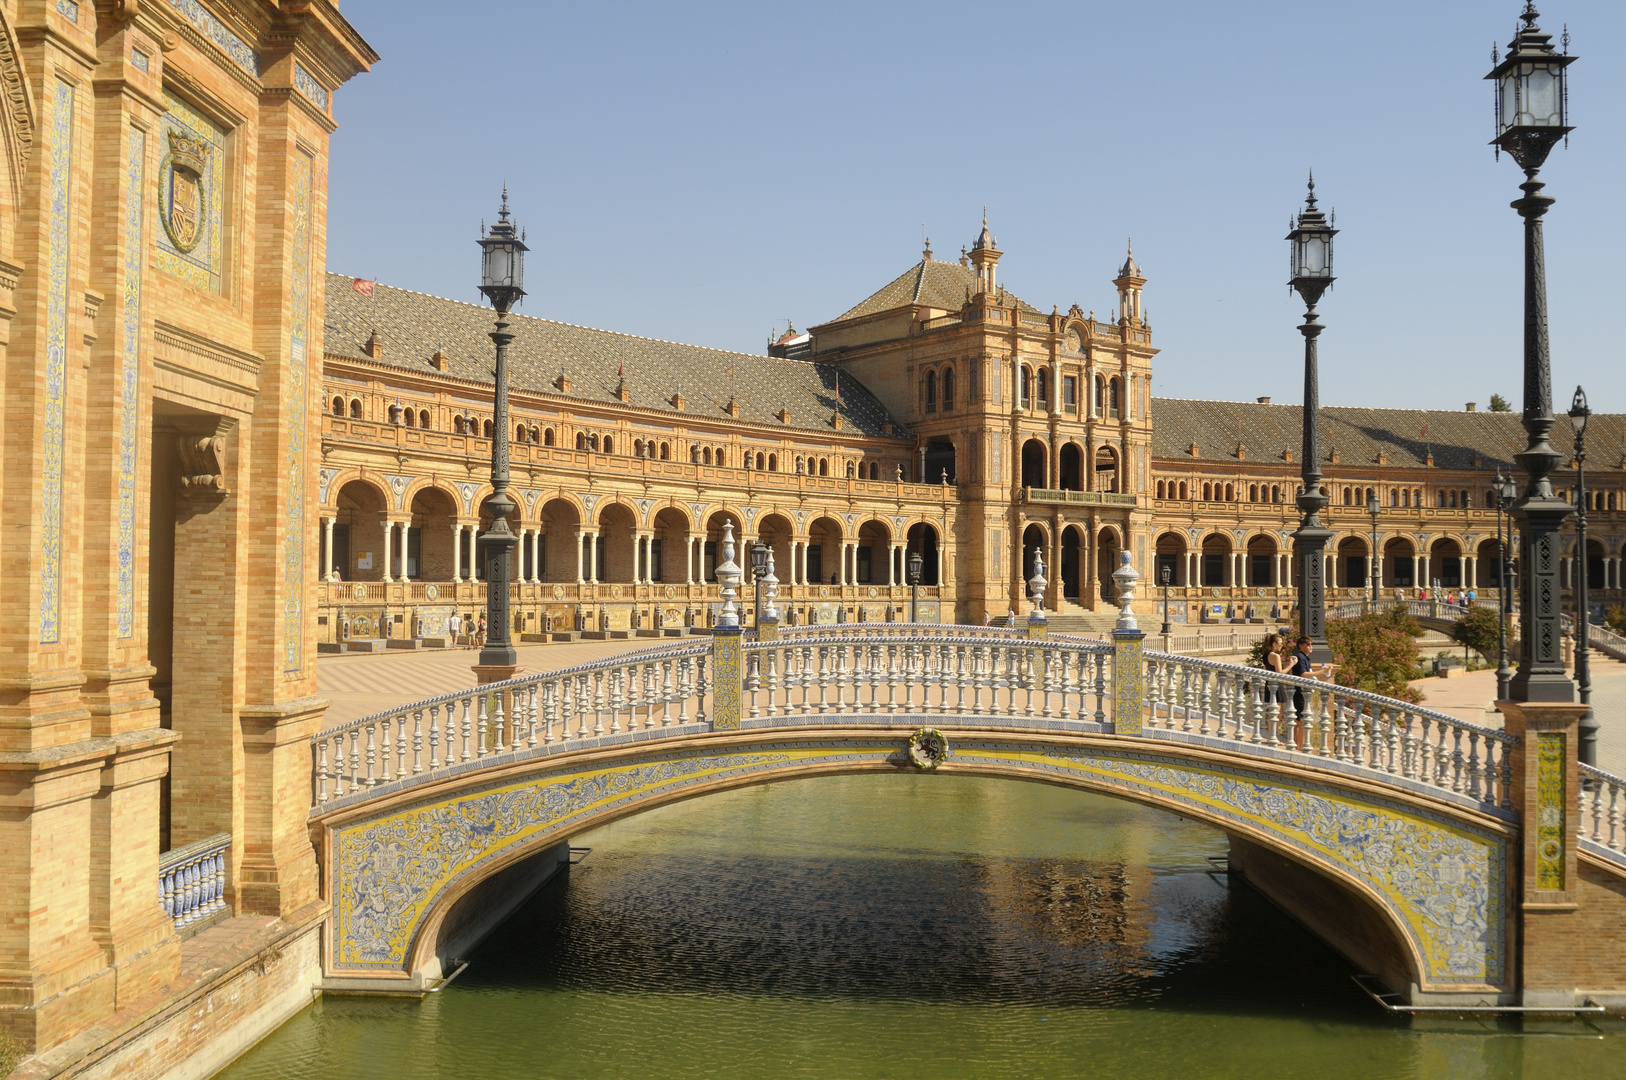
(573, 326)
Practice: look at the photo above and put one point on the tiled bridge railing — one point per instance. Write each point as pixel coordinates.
(948, 676)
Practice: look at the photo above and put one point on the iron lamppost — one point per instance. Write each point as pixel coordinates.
(1164, 574)
(1532, 106)
(1588, 744)
(759, 561)
(1505, 494)
(502, 280)
(1375, 507)
(1311, 239)
(915, 564)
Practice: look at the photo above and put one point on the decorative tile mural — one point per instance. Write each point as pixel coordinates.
(306, 84)
(56, 363)
(299, 309)
(191, 195)
(212, 28)
(1551, 806)
(130, 380)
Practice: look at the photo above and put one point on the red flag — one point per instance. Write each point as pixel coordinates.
(1425, 431)
(621, 372)
(363, 286)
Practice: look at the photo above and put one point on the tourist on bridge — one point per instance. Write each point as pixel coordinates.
(1304, 669)
(455, 625)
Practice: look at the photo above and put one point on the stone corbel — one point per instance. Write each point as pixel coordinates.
(203, 463)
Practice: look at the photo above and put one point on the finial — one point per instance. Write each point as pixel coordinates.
(985, 215)
(502, 214)
(1309, 200)
(1130, 245)
(1530, 14)
(1565, 40)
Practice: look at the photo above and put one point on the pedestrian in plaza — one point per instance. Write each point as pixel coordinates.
(1277, 661)
(455, 624)
(1305, 669)
(987, 618)
(480, 634)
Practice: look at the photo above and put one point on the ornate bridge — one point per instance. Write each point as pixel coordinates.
(1396, 832)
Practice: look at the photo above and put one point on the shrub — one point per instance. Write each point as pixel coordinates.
(11, 1052)
(1374, 655)
(1398, 618)
(1477, 630)
(1615, 619)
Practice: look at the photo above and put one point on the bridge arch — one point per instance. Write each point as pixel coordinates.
(1425, 889)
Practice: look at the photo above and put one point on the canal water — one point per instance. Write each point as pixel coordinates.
(903, 927)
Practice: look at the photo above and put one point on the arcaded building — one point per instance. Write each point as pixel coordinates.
(942, 415)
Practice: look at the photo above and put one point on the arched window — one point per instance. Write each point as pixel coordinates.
(355, 408)
(457, 425)
(1253, 493)
(773, 462)
(581, 440)
(488, 429)
(719, 457)
(1417, 497)
(666, 451)
(948, 389)
(637, 448)
(1113, 406)
(928, 391)
(1044, 385)
(851, 470)
(1208, 493)
(1160, 489)
(1230, 493)
(547, 436)
(338, 406)
(519, 433)
(1466, 503)
(1100, 395)
(824, 466)
(761, 461)
(875, 474)
(1183, 494)
(592, 442)
(410, 416)
(705, 456)
(801, 466)
(1026, 389)
(423, 418)
(609, 444)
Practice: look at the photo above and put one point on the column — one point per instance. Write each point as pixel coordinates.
(1370, 568)
(1470, 572)
(1424, 580)
(457, 552)
(579, 535)
(536, 554)
(1564, 569)
(592, 556)
(389, 544)
(328, 525)
(405, 536)
(801, 565)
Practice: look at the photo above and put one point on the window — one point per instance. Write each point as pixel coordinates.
(705, 456)
(717, 457)
(1112, 398)
(666, 451)
(773, 462)
(948, 389)
(875, 472)
(1024, 393)
(824, 466)
(1230, 493)
(1100, 395)
(1160, 489)
(547, 437)
(1183, 489)
(423, 418)
(488, 429)
(581, 440)
(1043, 380)
(694, 455)
(338, 406)
(1253, 493)
(761, 461)
(1208, 493)
(411, 417)
(609, 445)
(851, 470)
(519, 432)
(928, 390)
(355, 408)
(1069, 392)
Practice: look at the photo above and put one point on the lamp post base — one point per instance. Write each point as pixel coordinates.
(490, 673)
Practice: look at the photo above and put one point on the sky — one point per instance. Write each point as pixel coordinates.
(703, 173)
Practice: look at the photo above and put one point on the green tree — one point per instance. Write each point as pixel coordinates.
(1615, 619)
(1375, 656)
(1499, 403)
(1477, 630)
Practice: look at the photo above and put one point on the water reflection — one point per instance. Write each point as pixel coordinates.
(895, 926)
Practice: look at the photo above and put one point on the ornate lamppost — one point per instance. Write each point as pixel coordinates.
(1164, 573)
(1588, 745)
(502, 280)
(915, 564)
(1375, 507)
(759, 561)
(1532, 110)
(1505, 494)
(1311, 238)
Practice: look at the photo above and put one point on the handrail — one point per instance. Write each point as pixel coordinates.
(1603, 799)
(1248, 707)
(192, 879)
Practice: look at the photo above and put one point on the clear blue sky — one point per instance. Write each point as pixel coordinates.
(700, 173)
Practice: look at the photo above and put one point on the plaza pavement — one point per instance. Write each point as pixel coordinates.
(1469, 697)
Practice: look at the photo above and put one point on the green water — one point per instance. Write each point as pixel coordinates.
(906, 926)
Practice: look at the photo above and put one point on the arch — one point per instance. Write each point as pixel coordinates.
(338, 406)
(776, 530)
(409, 416)
(1035, 539)
(1216, 568)
(922, 538)
(355, 408)
(609, 444)
(1208, 491)
(617, 527)
(1183, 494)
(423, 419)
(1349, 568)
(1041, 381)
(547, 436)
(773, 462)
(1106, 469)
(1595, 576)
(1399, 563)
(1262, 550)
(712, 549)
(1445, 563)
(824, 548)
(1072, 553)
(559, 521)
(1107, 545)
(928, 392)
(1114, 397)
(1100, 395)
(1171, 553)
(873, 561)
(1025, 389)
(948, 389)
(520, 433)
(939, 462)
(457, 425)
(1230, 493)
(875, 470)
(1160, 489)
(852, 471)
(1035, 463)
(1253, 493)
(1488, 567)
(1070, 468)
(434, 512)
(669, 545)
(666, 451)
(485, 429)
(361, 507)
(705, 455)
(824, 466)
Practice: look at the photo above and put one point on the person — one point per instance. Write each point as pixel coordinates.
(987, 618)
(480, 634)
(455, 625)
(1305, 669)
(1276, 660)
(832, 579)
(1473, 595)
(1010, 619)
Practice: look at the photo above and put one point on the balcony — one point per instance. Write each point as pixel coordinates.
(1080, 498)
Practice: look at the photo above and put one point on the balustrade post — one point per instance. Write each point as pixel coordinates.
(1546, 794)
(727, 683)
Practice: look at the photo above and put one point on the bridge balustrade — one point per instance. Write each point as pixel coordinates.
(192, 880)
(1603, 801)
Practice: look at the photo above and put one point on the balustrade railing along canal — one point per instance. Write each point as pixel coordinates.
(1603, 805)
(879, 674)
(192, 880)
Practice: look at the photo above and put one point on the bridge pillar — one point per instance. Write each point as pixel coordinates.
(1545, 792)
(727, 678)
(1128, 681)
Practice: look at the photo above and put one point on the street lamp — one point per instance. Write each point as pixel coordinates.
(759, 560)
(502, 280)
(1164, 574)
(1311, 238)
(1532, 105)
(1588, 745)
(1375, 507)
(915, 563)
(1505, 494)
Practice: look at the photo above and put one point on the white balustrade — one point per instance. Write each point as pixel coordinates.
(192, 880)
(1248, 707)
(1603, 804)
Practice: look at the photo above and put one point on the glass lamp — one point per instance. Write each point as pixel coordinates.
(502, 261)
(1532, 96)
(1311, 240)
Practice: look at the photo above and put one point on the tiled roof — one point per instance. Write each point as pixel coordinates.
(413, 326)
(1405, 436)
(930, 283)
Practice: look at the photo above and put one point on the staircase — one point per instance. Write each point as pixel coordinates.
(1073, 619)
